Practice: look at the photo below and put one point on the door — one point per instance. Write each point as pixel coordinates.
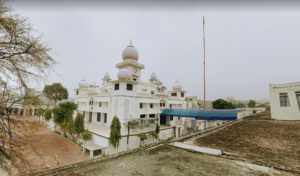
(91, 117)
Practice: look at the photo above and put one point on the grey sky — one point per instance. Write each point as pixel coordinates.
(248, 46)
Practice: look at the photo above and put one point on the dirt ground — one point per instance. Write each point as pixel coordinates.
(165, 160)
(267, 142)
(265, 115)
(49, 144)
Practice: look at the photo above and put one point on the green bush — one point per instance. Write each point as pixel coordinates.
(48, 114)
(86, 136)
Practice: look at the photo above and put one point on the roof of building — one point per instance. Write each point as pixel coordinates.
(226, 114)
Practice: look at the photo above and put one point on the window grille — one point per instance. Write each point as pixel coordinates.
(116, 86)
(129, 86)
(298, 98)
(284, 100)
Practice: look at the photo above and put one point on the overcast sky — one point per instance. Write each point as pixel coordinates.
(248, 46)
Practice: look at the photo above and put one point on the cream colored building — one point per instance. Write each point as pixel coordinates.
(128, 98)
(285, 101)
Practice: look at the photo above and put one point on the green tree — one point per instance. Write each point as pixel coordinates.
(241, 105)
(79, 124)
(86, 136)
(62, 110)
(143, 137)
(251, 104)
(40, 113)
(56, 92)
(68, 124)
(222, 104)
(115, 132)
(48, 114)
(268, 107)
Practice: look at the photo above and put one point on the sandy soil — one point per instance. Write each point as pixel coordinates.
(49, 144)
(165, 160)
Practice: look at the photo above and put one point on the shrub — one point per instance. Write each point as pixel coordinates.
(86, 136)
(143, 137)
(48, 115)
(115, 132)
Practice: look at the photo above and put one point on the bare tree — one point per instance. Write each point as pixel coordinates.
(24, 61)
(231, 100)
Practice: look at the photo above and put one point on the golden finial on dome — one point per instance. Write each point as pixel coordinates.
(130, 40)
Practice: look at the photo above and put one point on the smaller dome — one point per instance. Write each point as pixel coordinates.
(83, 83)
(153, 76)
(125, 73)
(177, 85)
(106, 76)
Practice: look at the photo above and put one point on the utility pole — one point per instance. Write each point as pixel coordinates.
(204, 58)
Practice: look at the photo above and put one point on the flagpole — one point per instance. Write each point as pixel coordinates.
(204, 59)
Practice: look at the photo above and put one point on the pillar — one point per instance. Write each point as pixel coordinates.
(19, 111)
(32, 111)
(83, 150)
(91, 153)
(24, 112)
(13, 111)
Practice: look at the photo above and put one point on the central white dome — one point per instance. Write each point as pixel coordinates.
(125, 73)
(130, 53)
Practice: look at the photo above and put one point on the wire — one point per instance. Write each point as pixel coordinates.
(225, 67)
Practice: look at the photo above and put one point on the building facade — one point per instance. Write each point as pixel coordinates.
(285, 101)
(129, 99)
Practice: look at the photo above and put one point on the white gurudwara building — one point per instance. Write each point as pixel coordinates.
(129, 99)
(285, 101)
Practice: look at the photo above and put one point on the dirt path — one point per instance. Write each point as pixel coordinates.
(49, 144)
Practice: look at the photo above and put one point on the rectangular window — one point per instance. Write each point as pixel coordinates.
(164, 105)
(134, 79)
(92, 102)
(182, 94)
(152, 92)
(129, 86)
(100, 104)
(298, 98)
(161, 104)
(170, 105)
(116, 86)
(284, 100)
(77, 92)
(174, 94)
(142, 117)
(151, 105)
(141, 105)
(105, 117)
(83, 114)
(152, 116)
(98, 117)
